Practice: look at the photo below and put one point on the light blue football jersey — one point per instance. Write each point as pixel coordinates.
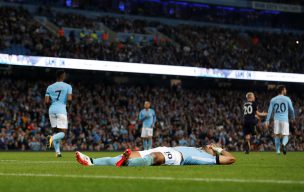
(58, 93)
(195, 156)
(281, 106)
(148, 117)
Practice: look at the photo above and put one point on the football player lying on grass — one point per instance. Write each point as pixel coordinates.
(206, 155)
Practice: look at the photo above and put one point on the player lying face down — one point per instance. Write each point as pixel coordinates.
(206, 155)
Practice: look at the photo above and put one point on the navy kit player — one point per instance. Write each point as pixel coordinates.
(281, 107)
(148, 118)
(57, 96)
(251, 115)
(206, 155)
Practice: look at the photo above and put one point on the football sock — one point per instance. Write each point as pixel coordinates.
(145, 144)
(58, 136)
(56, 141)
(106, 160)
(277, 142)
(285, 140)
(150, 144)
(56, 144)
(144, 161)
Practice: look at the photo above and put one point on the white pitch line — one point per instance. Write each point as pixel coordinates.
(231, 180)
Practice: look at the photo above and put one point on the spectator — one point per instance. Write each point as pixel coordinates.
(61, 32)
(34, 145)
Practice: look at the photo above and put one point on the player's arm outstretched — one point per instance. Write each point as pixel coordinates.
(261, 114)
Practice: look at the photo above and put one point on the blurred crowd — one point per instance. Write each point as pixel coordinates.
(221, 48)
(225, 14)
(104, 117)
(210, 47)
(222, 14)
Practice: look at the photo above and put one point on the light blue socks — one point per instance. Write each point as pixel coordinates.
(144, 161)
(56, 141)
(110, 161)
(277, 142)
(285, 140)
(150, 144)
(56, 145)
(145, 143)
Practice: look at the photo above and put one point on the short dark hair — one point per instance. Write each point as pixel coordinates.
(59, 73)
(280, 88)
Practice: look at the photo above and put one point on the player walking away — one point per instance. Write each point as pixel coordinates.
(58, 95)
(251, 114)
(148, 119)
(206, 155)
(281, 106)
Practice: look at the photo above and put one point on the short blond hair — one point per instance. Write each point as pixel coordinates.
(249, 94)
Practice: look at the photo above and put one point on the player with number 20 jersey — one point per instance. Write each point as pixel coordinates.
(281, 106)
(250, 121)
(251, 114)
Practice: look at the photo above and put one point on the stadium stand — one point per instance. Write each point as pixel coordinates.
(103, 116)
(211, 47)
(23, 117)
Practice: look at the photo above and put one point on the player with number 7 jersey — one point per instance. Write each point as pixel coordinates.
(57, 96)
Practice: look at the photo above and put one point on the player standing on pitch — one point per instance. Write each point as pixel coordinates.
(251, 114)
(280, 105)
(148, 119)
(58, 95)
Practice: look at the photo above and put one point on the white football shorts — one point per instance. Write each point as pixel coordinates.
(146, 132)
(59, 121)
(281, 127)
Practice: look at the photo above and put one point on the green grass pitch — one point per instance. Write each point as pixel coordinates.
(41, 171)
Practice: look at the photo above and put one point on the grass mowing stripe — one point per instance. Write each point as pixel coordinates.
(34, 162)
(157, 178)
